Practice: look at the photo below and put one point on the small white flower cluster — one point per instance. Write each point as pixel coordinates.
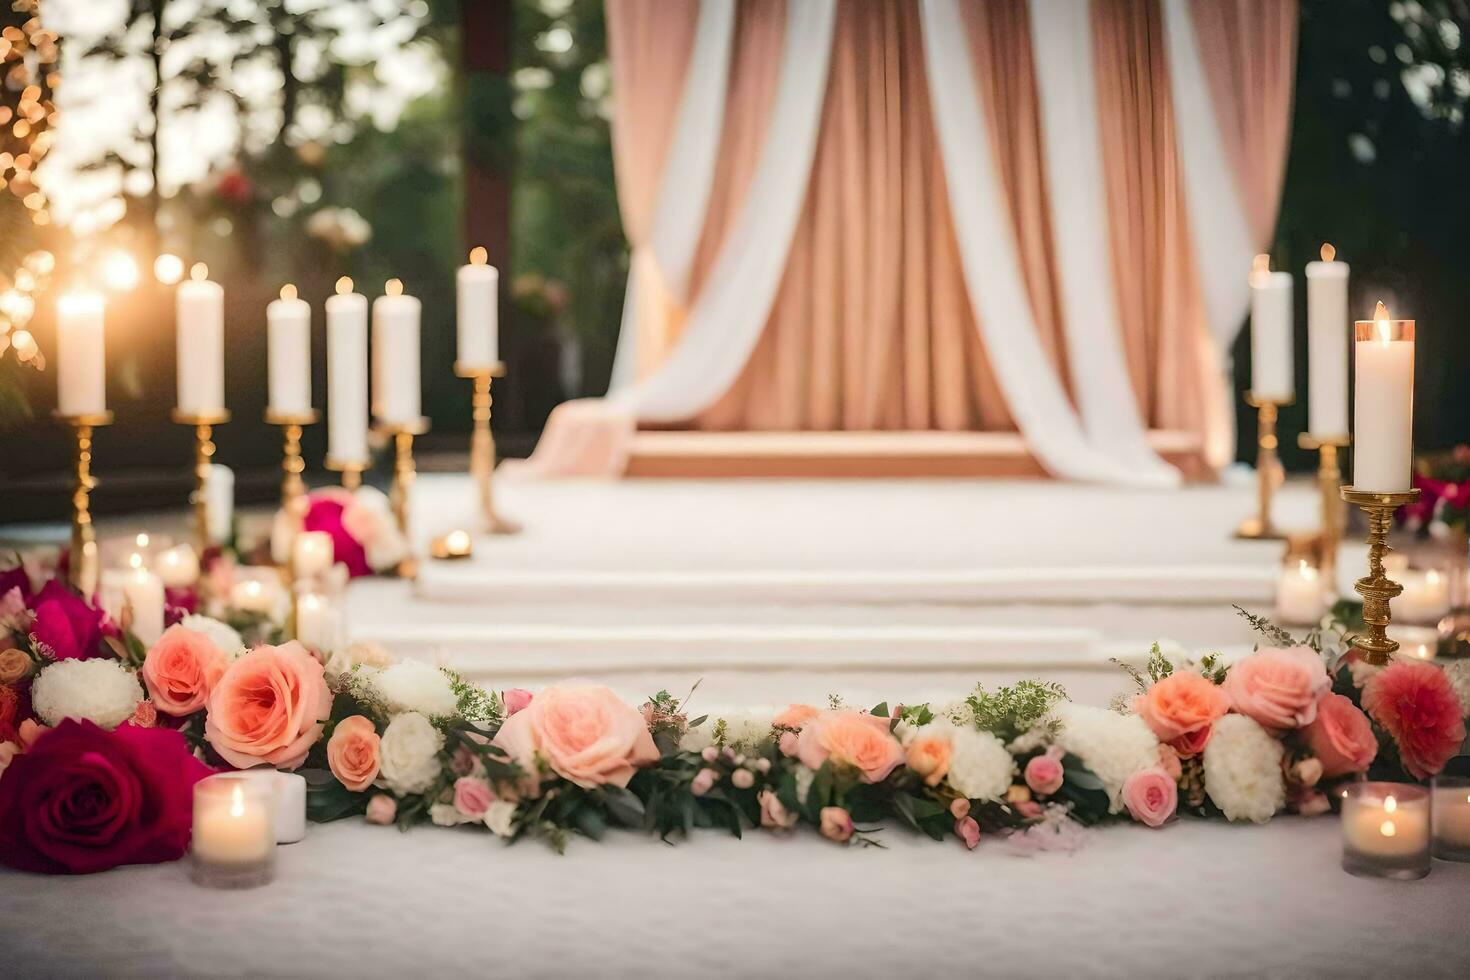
(409, 753)
(222, 635)
(412, 685)
(365, 654)
(1243, 770)
(1112, 745)
(980, 768)
(744, 731)
(101, 691)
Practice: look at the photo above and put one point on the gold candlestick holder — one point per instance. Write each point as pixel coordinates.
(1268, 471)
(293, 486)
(351, 470)
(84, 567)
(482, 445)
(1329, 486)
(403, 476)
(203, 423)
(1376, 588)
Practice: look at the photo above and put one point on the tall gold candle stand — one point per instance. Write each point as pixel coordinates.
(1376, 587)
(1329, 486)
(203, 423)
(403, 477)
(482, 445)
(293, 487)
(83, 565)
(1268, 471)
(351, 470)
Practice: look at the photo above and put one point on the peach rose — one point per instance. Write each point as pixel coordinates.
(836, 824)
(1279, 689)
(181, 669)
(472, 797)
(352, 752)
(15, 665)
(269, 707)
(850, 738)
(929, 757)
(1180, 709)
(795, 716)
(583, 732)
(382, 809)
(1341, 738)
(1150, 796)
(1044, 775)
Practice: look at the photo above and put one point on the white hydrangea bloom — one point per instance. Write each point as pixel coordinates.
(409, 753)
(1243, 770)
(747, 730)
(222, 635)
(101, 691)
(1113, 746)
(980, 768)
(698, 738)
(412, 685)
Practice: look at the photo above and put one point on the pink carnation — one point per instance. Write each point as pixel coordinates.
(1416, 703)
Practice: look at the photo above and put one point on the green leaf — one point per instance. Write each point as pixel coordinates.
(623, 806)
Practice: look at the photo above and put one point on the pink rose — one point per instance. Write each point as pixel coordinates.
(967, 830)
(1341, 738)
(352, 752)
(382, 809)
(1150, 796)
(516, 699)
(181, 669)
(774, 815)
(1279, 689)
(1180, 709)
(145, 715)
(1044, 775)
(836, 824)
(583, 732)
(795, 716)
(853, 739)
(269, 707)
(472, 797)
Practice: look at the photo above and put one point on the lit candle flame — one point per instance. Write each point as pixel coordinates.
(288, 291)
(1380, 317)
(1328, 252)
(199, 272)
(237, 802)
(168, 269)
(1431, 577)
(1390, 804)
(135, 560)
(344, 285)
(478, 255)
(1260, 270)
(1388, 829)
(393, 287)
(142, 540)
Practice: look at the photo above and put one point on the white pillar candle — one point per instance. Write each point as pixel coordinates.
(1300, 598)
(396, 398)
(1271, 334)
(81, 373)
(1425, 599)
(478, 318)
(110, 594)
(177, 567)
(143, 595)
(288, 326)
(347, 380)
(200, 309)
(257, 589)
(311, 554)
(1383, 412)
(1327, 342)
(219, 502)
(317, 622)
(288, 791)
(233, 842)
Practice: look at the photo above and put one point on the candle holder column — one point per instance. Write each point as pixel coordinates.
(482, 445)
(293, 487)
(83, 564)
(1329, 487)
(351, 470)
(203, 423)
(403, 477)
(1376, 588)
(1268, 471)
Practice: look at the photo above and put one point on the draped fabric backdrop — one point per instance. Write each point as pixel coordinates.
(1026, 215)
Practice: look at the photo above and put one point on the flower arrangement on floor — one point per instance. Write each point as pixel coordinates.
(100, 739)
(1443, 481)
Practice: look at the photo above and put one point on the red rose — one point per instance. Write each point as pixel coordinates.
(82, 799)
(1418, 706)
(66, 626)
(16, 578)
(324, 513)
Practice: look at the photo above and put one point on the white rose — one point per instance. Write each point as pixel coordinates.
(413, 685)
(501, 818)
(410, 753)
(220, 634)
(100, 691)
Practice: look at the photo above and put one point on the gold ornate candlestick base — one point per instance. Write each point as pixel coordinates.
(351, 470)
(482, 445)
(403, 477)
(203, 423)
(83, 565)
(293, 487)
(1268, 471)
(1376, 587)
(1329, 487)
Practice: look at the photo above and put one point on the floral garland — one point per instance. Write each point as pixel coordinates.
(101, 738)
(1443, 481)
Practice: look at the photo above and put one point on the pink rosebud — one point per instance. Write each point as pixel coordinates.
(472, 797)
(967, 830)
(382, 809)
(1150, 796)
(710, 754)
(960, 808)
(516, 699)
(836, 824)
(774, 815)
(1044, 775)
(742, 778)
(789, 744)
(704, 781)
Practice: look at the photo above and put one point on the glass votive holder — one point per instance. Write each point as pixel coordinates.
(1385, 830)
(1450, 817)
(234, 839)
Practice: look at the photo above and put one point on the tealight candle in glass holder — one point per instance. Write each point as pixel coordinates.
(1385, 830)
(234, 842)
(1451, 818)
